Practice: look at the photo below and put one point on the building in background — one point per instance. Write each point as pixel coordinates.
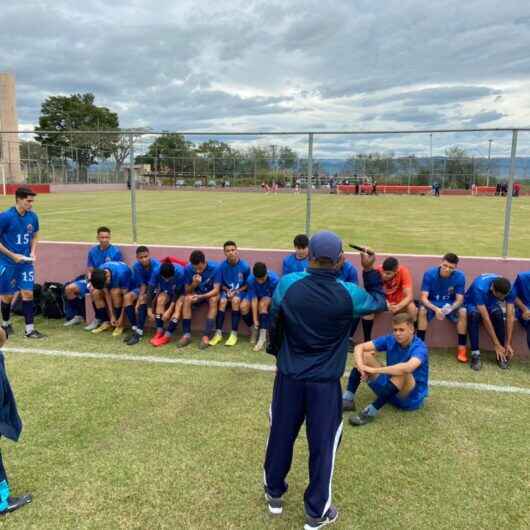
(9, 144)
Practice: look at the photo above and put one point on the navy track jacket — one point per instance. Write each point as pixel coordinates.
(10, 423)
(311, 318)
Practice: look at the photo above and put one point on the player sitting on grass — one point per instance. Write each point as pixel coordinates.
(202, 287)
(261, 286)
(298, 260)
(403, 382)
(144, 268)
(75, 291)
(397, 283)
(482, 301)
(522, 302)
(111, 282)
(232, 276)
(166, 288)
(442, 296)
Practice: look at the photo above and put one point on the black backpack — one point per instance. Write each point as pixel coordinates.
(16, 308)
(52, 300)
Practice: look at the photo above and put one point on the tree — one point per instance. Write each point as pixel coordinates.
(287, 158)
(222, 157)
(121, 149)
(459, 168)
(74, 121)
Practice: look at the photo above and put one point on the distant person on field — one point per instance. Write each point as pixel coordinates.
(483, 302)
(521, 288)
(442, 297)
(298, 260)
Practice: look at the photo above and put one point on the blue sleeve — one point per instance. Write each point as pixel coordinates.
(4, 221)
(246, 272)
(517, 287)
(90, 259)
(282, 288)
(420, 352)
(188, 276)
(251, 290)
(460, 287)
(381, 343)
(218, 278)
(426, 283)
(285, 267)
(479, 297)
(371, 300)
(118, 255)
(512, 295)
(354, 277)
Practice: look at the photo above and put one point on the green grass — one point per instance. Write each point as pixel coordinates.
(121, 445)
(392, 223)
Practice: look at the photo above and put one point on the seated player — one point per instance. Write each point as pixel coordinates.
(261, 286)
(111, 282)
(522, 302)
(442, 296)
(482, 301)
(298, 260)
(397, 283)
(403, 382)
(135, 301)
(201, 287)
(347, 272)
(167, 287)
(75, 291)
(232, 275)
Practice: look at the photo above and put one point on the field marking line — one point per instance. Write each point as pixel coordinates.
(233, 364)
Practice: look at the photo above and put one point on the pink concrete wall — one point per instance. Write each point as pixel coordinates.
(76, 188)
(63, 261)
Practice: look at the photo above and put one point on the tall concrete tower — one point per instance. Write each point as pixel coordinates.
(9, 145)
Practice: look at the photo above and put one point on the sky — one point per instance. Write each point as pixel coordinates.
(283, 66)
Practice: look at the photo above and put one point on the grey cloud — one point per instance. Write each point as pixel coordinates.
(484, 117)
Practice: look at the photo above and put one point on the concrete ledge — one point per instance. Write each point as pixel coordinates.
(75, 188)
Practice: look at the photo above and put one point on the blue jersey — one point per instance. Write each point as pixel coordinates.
(233, 277)
(265, 289)
(17, 232)
(120, 274)
(479, 292)
(292, 264)
(96, 256)
(208, 277)
(521, 287)
(348, 273)
(141, 275)
(443, 290)
(395, 354)
(173, 287)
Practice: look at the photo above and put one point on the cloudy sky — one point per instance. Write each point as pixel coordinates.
(290, 65)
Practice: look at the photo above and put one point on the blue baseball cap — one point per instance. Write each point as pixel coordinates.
(325, 244)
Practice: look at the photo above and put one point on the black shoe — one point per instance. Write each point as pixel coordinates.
(8, 330)
(314, 523)
(275, 504)
(348, 405)
(361, 419)
(503, 364)
(135, 338)
(476, 363)
(14, 503)
(34, 335)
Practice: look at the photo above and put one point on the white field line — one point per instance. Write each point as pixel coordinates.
(231, 364)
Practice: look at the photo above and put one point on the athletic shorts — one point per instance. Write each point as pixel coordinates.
(519, 316)
(407, 403)
(242, 296)
(16, 277)
(452, 316)
(82, 285)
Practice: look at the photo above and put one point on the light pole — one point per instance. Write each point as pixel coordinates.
(432, 177)
(489, 163)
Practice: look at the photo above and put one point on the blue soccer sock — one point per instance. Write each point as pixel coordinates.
(264, 320)
(131, 315)
(236, 316)
(117, 312)
(101, 314)
(420, 333)
(354, 326)
(462, 339)
(248, 320)
(159, 323)
(220, 320)
(142, 317)
(385, 394)
(6, 311)
(209, 327)
(354, 381)
(172, 326)
(186, 326)
(367, 329)
(27, 309)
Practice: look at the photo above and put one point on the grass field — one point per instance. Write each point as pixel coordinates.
(392, 223)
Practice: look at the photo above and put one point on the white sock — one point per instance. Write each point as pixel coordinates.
(29, 328)
(6, 323)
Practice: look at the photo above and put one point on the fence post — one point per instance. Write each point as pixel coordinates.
(309, 185)
(508, 210)
(132, 178)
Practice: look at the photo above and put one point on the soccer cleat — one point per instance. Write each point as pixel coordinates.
(476, 363)
(34, 334)
(14, 503)
(260, 344)
(253, 335)
(204, 343)
(135, 338)
(348, 405)
(154, 340)
(503, 364)
(160, 341)
(118, 331)
(361, 419)
(275, 504)
(216, 339)
(93, 325)
(105, 326)
(184, 341)
(314, 523)
(8, 330)
(461, 354)
(73, 321)
(231, 340)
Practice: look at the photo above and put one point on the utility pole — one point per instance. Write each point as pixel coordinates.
(489, 163)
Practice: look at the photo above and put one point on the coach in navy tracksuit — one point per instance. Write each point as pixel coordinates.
(311, 316)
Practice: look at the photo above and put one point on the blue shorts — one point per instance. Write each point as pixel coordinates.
(452, 316)
(519, 316)
(242, 296)
(16, 277)
(408, 403)
(82, 285)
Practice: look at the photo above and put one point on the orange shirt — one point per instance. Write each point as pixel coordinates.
(394, 288)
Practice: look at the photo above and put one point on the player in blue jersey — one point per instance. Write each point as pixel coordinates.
(347, 272)
(298, 260)
(483, 304)
(403, 382)
(111, 282)
(202, 287)
(261, 286)
(522, 302)
(442, 296)
(75, 291)
(168, 286)
(19, 231)
(232, 275)
(135, 300)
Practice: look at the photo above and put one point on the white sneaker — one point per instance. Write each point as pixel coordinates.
(260, 344)
(73, 321)
(93, 325)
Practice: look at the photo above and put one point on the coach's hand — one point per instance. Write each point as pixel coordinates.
(367, 260)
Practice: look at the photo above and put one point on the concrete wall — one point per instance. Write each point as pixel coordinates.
(76, 188)
(63, 261)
